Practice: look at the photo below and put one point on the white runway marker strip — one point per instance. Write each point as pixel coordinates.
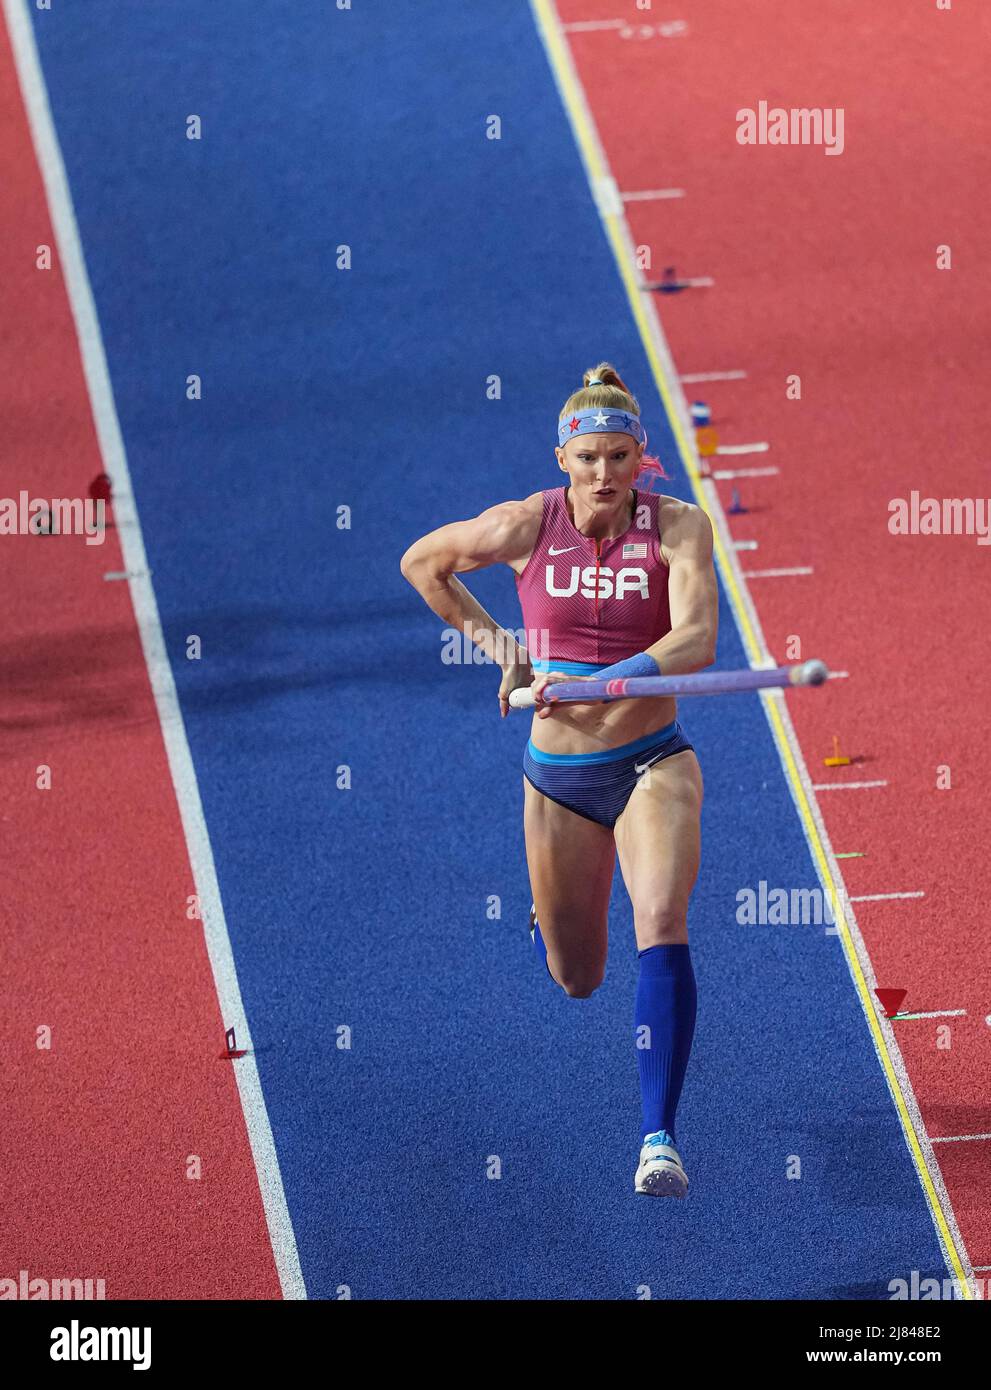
(676, 284)
(127, 574)
(933, 1013)
(839, 675)
(884, 897)
(777, 574)
(691, 378)
(725, 474)
(94, 363)
(743, 448)
(592, 26)
(846, 787)
(744, 545)
(665, 29)
(959, 1139)
(653, 193)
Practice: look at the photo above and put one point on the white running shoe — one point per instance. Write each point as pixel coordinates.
(660, 1173)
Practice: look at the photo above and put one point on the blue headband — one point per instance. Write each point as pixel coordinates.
(595, 420)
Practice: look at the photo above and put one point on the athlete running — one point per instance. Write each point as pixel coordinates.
(612, 582)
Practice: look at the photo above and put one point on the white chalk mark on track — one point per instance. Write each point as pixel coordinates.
(592, 26)
(691, 378)
(777, 574)
(650, 194)
(845, 786)
(724, 474)
(932, 1013)
(885, 897)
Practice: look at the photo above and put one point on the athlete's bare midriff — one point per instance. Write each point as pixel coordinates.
(591, 728)
(595, 727)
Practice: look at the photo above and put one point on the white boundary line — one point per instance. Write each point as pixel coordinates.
(111, 443)
(763, 660)
(961, 1139)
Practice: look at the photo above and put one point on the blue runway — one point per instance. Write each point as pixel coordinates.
(365, 388)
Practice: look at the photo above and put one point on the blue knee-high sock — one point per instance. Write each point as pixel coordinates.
(666, 1001)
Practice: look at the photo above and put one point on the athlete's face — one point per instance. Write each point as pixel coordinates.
(601, 468)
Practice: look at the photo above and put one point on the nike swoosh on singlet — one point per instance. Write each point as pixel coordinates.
(563, 551)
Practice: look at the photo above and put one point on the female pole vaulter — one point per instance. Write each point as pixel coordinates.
(612, 582)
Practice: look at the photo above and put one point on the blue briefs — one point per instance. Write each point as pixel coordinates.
(598, 785)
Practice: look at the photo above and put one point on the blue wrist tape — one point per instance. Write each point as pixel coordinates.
(640, 665)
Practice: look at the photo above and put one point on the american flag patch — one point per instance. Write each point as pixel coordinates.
(634, 552)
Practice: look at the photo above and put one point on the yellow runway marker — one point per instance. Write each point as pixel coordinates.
(837, 760)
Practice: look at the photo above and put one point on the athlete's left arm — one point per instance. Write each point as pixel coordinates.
(693, 595)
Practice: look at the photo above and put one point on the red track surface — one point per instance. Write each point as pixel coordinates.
(825, 266)
(96, 944)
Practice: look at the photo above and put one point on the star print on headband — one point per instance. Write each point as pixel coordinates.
(595, 420)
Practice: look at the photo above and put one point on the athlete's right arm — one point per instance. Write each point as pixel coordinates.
(504, 534)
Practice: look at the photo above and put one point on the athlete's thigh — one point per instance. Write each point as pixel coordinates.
(658, 840)
(571, 862)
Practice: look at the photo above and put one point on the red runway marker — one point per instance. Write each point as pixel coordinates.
(838, 759)
(100, 489)
(890, 1000)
